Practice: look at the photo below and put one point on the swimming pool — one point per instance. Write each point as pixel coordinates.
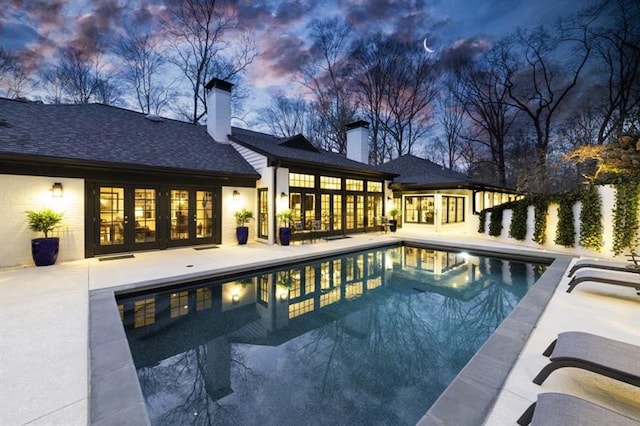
(369, 337)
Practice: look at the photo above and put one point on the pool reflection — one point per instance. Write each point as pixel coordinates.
(372, 337)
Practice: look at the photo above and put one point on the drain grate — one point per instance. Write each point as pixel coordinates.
(124, 256)
(205, 247)
(336, 237)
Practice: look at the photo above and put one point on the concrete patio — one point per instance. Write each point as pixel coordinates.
(44, 315)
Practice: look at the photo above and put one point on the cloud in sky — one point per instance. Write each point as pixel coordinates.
(281, 27)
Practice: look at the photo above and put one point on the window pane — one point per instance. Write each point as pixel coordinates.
(301, 180)
(204, 214)
(354, 185)
(327, 182)
(374, 186)
(179, 214)
(111, 216)
(145, 213)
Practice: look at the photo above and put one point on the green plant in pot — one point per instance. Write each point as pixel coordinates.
(242, 230)
(393, 223)
(44, 250)
(284, 233)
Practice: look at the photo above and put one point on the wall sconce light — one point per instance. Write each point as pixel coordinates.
(283, 196)
(56, 190)
(284, 295)
(236, 195)
(389, 199)
(235, 298)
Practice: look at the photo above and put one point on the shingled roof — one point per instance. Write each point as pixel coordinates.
(113, 136)
(297, 150)
(415, 172)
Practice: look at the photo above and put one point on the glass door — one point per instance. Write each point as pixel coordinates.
(191, 216)
(263, 213)
(111, 236)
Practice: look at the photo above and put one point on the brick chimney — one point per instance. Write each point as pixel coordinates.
(358, 141)
(219, 109)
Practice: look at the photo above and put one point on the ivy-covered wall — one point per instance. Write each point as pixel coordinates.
(566, 227)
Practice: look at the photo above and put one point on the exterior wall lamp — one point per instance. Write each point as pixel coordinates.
(56, 190)
(236, 195)
(283, 196)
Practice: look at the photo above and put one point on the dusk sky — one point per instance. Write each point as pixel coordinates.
(281, 26)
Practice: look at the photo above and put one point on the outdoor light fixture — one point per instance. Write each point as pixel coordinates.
(389, 199)
(284, 295)
(236, 195)
(56, 190)
(283, 196)
(235, 298)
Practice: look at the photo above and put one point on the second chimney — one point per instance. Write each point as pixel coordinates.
(358, 141)
(219, 109)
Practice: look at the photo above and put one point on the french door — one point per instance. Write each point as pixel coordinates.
(142, 217)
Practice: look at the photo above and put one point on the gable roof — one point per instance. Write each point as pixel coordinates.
(298, 151)
(419, 173)
(96, 133)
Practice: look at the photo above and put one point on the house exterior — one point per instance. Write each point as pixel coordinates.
(433, 198)
(135, 182)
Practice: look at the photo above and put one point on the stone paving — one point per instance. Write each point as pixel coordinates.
(44, 327)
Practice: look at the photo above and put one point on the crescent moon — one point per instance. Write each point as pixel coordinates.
(424, 43)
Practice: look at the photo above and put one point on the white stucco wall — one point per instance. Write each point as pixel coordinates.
(607, 197)
(21, 193)
(247, 199)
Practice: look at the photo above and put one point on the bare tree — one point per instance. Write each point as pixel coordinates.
(107, 91)
(198, 28)
(14, 78)
(411, 90)
(327, 77)
(482, 92)
(538, 85)
(54, 84)
(451, 115)
(371, 75)
(617, 50)
(78, 72)
(285, 116)
(143, 64)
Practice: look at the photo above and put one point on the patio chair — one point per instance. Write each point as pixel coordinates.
(610, 358)
(603, 264)
(559, 409)
(605, 277)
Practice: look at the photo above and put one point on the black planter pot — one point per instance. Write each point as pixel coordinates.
(393, 225)
(285, 236)
(45, 250)
(242, 234)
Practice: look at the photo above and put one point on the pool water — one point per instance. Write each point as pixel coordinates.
(372, 337)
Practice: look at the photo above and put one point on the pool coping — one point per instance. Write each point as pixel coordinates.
(115, 396)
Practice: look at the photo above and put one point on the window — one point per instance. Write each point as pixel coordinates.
(301, 180)
(203, 299)
(354, 185)
(419, 209)
(327, 182)
(297, 309)
(374, 186)
(179, 304)
(144, 312)
(452, 209)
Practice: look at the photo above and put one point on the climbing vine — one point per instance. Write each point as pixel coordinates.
(625, 216)
(482, 220)
(518, 227)
(540, 210)
(566, 231)
(591, 219)
(495, 223)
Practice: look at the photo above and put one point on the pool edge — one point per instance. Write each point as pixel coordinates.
(117, 401)
(469, 398)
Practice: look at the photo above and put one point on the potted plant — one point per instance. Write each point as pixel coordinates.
(393, 223)
(242, 231)
(285, 217)
(44, 250)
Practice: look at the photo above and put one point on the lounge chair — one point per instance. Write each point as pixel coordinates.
(603, 264)
(559, 409)
(609, 277)
(611, 358)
